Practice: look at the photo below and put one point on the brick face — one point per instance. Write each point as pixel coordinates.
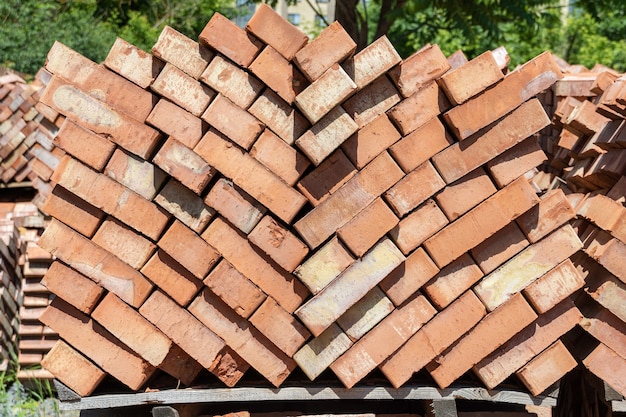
(181, 51)
(370, 141)
(230, 40)
(232, 82)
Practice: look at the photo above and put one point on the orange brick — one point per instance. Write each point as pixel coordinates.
(372, 101)
(171, 277)
(552, 211)
(132, 63)
(418, 146)
(230, 40)
(465, 193)
(182, 52)
(278, 74)
(556, 285)
(235, 289)
(326, 135)
(248, 342)
(365, 314)
(585, 119)
(241, 210)
(369, 141)
(272, 29)
(608, 366)
(182, 328)
(73, 369)
(481, 222)
(471, 78)
(433, 338)
(456, 161)
(279, 326)
(499, 248)
(96, 80)
(111, 197)
(229, 367)
(278, 243)
(232, 82)
(491, 332)
(324, 265)
(406, 279)
(424, 66)
(320, 352)
(516, 161)
(97, 116)
(234, 122)
(251, 176)
(415, 188)
(185, 205)
(126, 244)
(372, 62)
(285, 121)
(182, 89)
(605, 327)
(418, 109)
(177, 122)
(452, 281)
(376, 346)
(515, 353)
(102, 267)
(192, 252)
(414, 229)
(326, 178)
(527, 81)
(347, 201)
(325, 93)
(184, 164)
(602, 211)
(93, 341)
(137, 174)
(181, 366)
(280, 158)
(91, 149)
(73, 211)
(72, 286)
(547, 368)
(235, 248)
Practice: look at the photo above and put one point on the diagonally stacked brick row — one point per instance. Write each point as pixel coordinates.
(259, 201)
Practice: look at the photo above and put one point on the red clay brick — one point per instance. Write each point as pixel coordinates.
(182, 89)
(72, 286)
(183, 328)
(73, 369)
(499, 248)
(181, 366)
(481, 222)
(285, 121)
(372, 101)
(365, 314)
(182, 52)
(125, 243)
(605, 327)
(324, 265)
(347, 201)
(527, 81)
(135, 173)
(601, 210)
(418, 109)
(278, 74)
(172, 278)
(456, 59)
(585, 119)
(515, 353)
(465, 193)
(235, 248)
(414, 229)
(433, 338)
(102, 267)
(376, 346)
(73, 211)
(418, 146)
(97, 116)
(415, 188)
(229, 367)
(456, 161)
(91, 149)
(192, 252)
(272, 29)
(132, 63)
(232, 82)
(547, 368)
(326, 135)
(235, 289)
(325, 93)
(471, 78)
(424, 66)
(279, 157)
(406, 279)
(233, 204)
(326, 178)
(242, 337)
(452, 281)
(251, 176)
(99, 82)
(516, 161)
(278, 243)
(608, 366)
(185, 205)
(230, 40)
(97, 344)
(111, 197)
(369, 141)
(372, 62)
(177, 122)
(554, 286)
(552, 211)
(184, 164)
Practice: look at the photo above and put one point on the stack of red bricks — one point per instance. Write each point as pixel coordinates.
(258, 200)
(10, 297)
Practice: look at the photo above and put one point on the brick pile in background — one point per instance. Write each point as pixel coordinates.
(256, 200)
(10, 296)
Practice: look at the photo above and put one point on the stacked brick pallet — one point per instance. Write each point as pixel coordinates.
(258, 201)
(9, 292)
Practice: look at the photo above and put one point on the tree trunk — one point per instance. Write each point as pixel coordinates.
(347, 15)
